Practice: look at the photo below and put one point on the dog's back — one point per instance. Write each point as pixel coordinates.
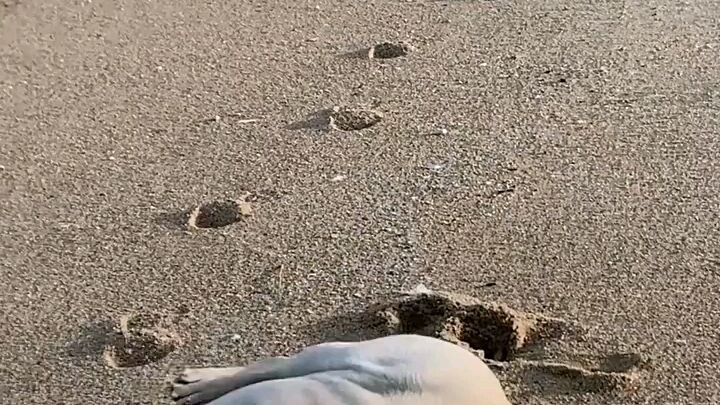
(400, 369)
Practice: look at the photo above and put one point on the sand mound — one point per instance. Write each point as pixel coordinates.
(142, 339)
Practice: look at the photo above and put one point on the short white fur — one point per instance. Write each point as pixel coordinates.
(392, 370)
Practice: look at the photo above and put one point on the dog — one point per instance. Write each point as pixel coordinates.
(392, 370)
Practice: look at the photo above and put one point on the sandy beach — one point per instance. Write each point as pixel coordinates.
(228, 180)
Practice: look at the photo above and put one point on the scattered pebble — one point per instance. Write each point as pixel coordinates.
(435, 166)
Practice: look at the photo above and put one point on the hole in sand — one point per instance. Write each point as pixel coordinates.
(495, 329)
(513, 343)
(218, 214)
(389, 50)
(490, 329)
(139, 350)
(141, 340)
(353, 119)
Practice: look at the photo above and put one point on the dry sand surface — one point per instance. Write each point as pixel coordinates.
(557, 156)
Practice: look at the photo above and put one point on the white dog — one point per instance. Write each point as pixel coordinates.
(393, 370)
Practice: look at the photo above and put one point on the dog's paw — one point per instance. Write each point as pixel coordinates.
(190, 375)
(196, 386)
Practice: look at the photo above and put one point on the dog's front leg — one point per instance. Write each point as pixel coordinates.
(197, 386)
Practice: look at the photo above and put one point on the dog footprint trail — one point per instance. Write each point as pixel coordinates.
(382, 51)
(218, 214)
(389, 50)
(342, 118)
(514, 343)
(353, 118)
(139, 340)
